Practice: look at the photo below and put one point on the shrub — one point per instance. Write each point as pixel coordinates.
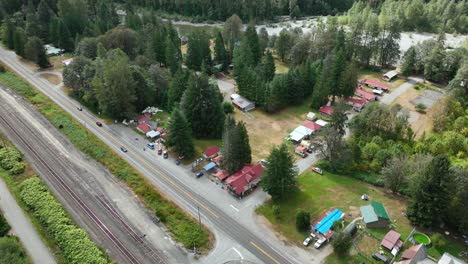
(438, 241)
(341, 244)
(228, 108)
(4, 226)
(337, 226)
(73, 241)
(17, 168)
(421, 108)
(12, 252)
(2, 68)
(302, 220)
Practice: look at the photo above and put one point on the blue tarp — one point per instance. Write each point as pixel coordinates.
(209, 166)
(327, 222)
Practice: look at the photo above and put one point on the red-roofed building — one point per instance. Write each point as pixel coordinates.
(218, 160)
(376, 84)
(222, 174)
(245, 180)
(144, 128)
(392, 240)
(326, 110)
(211, 152)
(357, 103)
(311, 125)
(364, 94)
(160, 129)
(143, 119)
(414, 254)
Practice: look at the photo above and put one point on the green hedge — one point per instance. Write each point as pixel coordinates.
(73, 241)
(4, 226)
(177, 221)
(10, 160)
(11, 251)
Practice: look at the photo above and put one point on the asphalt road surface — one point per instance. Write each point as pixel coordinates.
(73, 184)
(169, 183)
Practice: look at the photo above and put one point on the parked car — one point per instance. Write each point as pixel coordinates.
(99, 124)
(159, 151)
(310, 149)
(264, 162)
(79, 108)
(123, 149)
(177, 162)
(307, 241)
(165, 155)
(199, 174)
(150, 145)
(320, 242)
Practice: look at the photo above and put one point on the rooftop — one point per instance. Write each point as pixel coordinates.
(242, 178)
(213, 150)
(328, 110)
(380, 210)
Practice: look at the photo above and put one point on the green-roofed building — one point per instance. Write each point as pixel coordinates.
(374, 215)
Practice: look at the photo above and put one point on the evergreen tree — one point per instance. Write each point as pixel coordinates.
(339, 66)
(267, 67)
(177, 87)
(232, 142)
(198, 51)
(279, 179)
(348, 81)
(283, 44)
(302, 220)
(19, 41)
(232, 31)
(44, 15)
(253, 42)
(8, 37)
(173, 56)
(202, 108)
(322, 87)
(144, 93)
(221, 56)
(431, 193)
(409, 61)
(64, 39)
(32, 25)
(34, 50)
(246, 153)
(180, 139)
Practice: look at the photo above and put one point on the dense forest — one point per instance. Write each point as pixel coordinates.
(449, 16)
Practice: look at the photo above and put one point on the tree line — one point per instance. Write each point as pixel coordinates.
(256, 10)
(417, 15)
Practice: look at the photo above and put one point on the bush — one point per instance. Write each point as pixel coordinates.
(302, 220)
(421, 108)
(2, 68)
(17, 168)
(12, 252)
(438, 241)
(337, 226)
(73, 241)
(228, 108)
(4, 226)
(341, 244)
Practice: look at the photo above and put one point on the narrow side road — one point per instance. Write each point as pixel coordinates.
(22, 228)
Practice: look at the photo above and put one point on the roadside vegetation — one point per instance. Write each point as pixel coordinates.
(179, 223)
(11, 251)
(72, 240)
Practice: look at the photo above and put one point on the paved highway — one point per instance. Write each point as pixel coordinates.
(73, 184)
(169, 183)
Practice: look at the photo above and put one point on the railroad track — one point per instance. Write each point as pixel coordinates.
(113, 238)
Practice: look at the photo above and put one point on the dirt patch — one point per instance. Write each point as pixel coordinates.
(420, 122)
(427, 98)
(367, 244)
(267, 130)
(51, 78)
(32, 66)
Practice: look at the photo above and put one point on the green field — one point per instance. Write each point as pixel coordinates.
(319, 193)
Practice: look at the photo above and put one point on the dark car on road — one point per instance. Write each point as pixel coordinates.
(199, 174)
(99, 124)
(123, 149)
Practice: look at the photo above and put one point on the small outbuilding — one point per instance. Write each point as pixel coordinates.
(311, 116)
(311, 125)
(413, 255)
(153, 134)
(374, 215)
(221, 175)
(242, 103)
(390, 75)
(321, 122)
(392, 242)
(67, 62)
(53, 51)
(376, 84)
(209, 166)
(366, 95)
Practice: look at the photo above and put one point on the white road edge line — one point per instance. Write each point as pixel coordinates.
(233, 207)
(238, 253)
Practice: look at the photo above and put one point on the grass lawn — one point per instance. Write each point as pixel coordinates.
(276, 126)
(177, 221)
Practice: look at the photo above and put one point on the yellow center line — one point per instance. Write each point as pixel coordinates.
(137, 156)
(264, 252)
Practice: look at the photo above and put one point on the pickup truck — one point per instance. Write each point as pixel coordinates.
(320, 242)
